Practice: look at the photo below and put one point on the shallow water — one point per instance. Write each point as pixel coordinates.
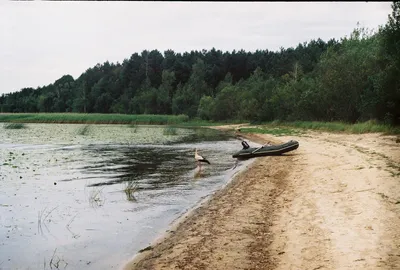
(64, 191)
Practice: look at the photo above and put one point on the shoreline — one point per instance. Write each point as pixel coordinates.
(190, 212)
(333, 203)
(199, 207)
(204, 202)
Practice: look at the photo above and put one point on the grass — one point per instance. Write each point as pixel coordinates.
(133, 120)
(280, 128)
(274, 131)
(14, 126)
(370, 126)
(93, 118)
(205, 123)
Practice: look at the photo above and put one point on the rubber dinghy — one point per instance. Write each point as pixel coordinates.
(267, 150)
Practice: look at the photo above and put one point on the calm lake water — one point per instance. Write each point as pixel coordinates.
(90, 197)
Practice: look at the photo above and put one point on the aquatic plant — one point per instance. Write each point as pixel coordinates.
(14, 126)
(94, 118)
(42, 218)
(84, 130)
(96, 197)
(56, 262)
(170, 131)
(134, 127)
(130, 189)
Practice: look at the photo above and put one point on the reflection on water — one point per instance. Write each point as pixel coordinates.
(199, 173)
(150, 167)
(155, 166)
(99, 201)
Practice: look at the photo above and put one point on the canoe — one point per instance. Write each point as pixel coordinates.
(267, 150)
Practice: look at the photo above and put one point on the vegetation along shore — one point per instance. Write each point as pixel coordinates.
(349, 80)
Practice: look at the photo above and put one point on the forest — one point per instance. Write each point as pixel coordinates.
(356, 78)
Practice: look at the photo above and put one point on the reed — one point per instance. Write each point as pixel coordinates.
(14, 126)
(131, 188)
(84, 130)
(170, 130)
(93, 118)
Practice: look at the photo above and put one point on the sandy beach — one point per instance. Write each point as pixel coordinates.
(334, 203)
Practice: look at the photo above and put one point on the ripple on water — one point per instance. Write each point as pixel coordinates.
(94, 200)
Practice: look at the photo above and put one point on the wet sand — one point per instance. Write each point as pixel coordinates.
(334, 203)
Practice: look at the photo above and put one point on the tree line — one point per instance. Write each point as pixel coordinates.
(353, 79)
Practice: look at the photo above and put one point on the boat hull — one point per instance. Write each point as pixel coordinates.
(270, 150)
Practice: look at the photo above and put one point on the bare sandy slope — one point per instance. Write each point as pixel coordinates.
(334, 203)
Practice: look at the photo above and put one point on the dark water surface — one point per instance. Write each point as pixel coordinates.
(93, 200)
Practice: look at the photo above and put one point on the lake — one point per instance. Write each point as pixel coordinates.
(76, 196)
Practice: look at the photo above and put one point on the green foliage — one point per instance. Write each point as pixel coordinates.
(165, 92)
(226, 104)
(186, 99)
(92, 118)
(206, 108)
(350, 80)
(388, 80)
(344, 76)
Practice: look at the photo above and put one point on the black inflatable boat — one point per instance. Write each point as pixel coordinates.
(266, 150)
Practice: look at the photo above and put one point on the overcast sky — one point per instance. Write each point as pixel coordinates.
(42, 41)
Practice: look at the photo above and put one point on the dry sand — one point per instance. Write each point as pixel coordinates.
(334, 203)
